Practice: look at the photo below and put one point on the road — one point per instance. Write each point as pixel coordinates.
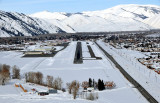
(129, 78)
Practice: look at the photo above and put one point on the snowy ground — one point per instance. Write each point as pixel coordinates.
(154, 35)
(128, 60)
(62, 65)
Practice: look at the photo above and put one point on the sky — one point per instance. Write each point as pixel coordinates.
(70, 6)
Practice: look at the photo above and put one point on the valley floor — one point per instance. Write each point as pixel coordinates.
(61, 65)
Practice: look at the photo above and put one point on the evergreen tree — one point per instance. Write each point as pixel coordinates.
(99, 84)
(103, 87)
(90, 82)
(93, 83)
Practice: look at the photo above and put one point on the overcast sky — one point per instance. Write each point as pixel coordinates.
(71, 6)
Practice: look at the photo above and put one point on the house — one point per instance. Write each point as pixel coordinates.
(33, 52)
(39, 49)
(90, 89)
(52, 91)
(43, 93)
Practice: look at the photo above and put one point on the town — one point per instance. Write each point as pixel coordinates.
(32, 61)
(149, 45)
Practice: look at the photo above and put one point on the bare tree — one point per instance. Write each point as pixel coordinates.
(27, 77)
(73, 88)
(4, 74)
(69, 86)
(49, 81)
(1, 68)
(31, 77)
(57, 84)
(16, 72)
(34, 77)
(38, 78)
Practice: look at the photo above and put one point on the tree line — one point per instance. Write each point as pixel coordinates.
(100, 85)
(37, 78)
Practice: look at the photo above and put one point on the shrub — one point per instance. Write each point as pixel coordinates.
(85, 84)
(110, 85)
(92, 96)
(63, 89)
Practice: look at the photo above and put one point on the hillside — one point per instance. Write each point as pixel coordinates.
(16, 24)
(154, 21)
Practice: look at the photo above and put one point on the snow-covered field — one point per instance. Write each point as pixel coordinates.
(61, 65)
(128, 60)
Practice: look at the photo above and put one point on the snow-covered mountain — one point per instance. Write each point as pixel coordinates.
(153, 21)
(16, 24)
(50, 15)
(118, 18)
(81, 23)
(134, 11)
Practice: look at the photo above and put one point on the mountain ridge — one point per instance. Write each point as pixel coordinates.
(133, 13)
(119, 18)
